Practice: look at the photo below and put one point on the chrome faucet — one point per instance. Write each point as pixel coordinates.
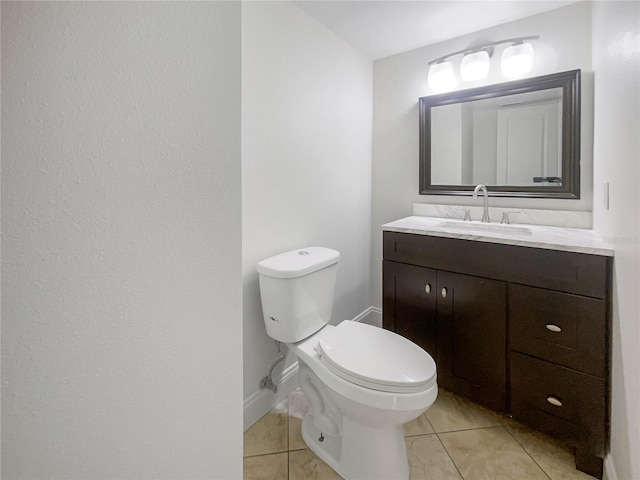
(485, 204)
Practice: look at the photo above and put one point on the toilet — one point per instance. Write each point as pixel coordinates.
(362, 382)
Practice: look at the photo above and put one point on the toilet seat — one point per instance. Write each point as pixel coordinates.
(376, 358)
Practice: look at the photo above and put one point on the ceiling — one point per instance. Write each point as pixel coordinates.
(383, 28)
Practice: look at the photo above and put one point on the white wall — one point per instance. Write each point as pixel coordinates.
(616, 62)
(564, 44)
(121, 259)
(306, 160)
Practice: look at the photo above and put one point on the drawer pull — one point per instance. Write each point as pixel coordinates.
(554, 401)
(553, 328)
(444, 293)
(427, 288)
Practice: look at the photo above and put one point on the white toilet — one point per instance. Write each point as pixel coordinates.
(362, 382)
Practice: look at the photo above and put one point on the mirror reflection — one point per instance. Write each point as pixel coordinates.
(519, 138)
(514, 140)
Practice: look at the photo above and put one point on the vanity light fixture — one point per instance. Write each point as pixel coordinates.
(441, 77)
(516, 60)
(475, 65)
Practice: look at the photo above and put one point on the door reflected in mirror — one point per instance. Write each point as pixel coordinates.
(518, 138)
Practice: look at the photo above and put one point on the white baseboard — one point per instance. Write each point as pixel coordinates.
(261, 402)
(609, 469)
(371, 316)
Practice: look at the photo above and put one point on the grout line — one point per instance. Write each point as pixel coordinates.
(265, 454)
(420, 435)
(426, 433)
(288, 430)
(469, 429)
(527, 452)
(429, 422)
(450, 457)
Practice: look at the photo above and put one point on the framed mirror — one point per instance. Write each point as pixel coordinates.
(520, 139)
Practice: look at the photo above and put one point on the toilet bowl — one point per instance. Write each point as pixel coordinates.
(355, 417)
(362, 382)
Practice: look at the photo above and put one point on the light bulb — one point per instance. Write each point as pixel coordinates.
(441, 78)
(475, 66)
(517, 60)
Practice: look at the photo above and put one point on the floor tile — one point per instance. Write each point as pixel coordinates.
(428, 460)
(295, 434)
(305, 465)
(555, 459)
(298, 407)
(268, 435)
(490, 454)
(266, 467)
(472, 441)
(450, 413)
(419, 426)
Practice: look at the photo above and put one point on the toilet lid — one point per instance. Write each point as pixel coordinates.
(376, 358)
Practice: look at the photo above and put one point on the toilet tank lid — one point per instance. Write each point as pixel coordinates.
(299, 262)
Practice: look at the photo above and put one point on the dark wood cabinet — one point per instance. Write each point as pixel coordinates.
(562, 328)
(518, 329)
(472, 338)
(410, 303)
(459, 319)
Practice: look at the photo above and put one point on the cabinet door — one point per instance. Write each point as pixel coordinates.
(472, 338)
(409, 303)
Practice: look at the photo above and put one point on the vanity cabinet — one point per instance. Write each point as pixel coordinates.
(520, 329)
(459, 319)
(410, 303)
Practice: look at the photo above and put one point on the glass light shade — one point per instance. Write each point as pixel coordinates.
(475, 66)
(441, 78)
(517, 60)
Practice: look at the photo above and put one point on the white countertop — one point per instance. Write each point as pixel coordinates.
(541, 236)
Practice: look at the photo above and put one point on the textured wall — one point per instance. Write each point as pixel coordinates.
(306, 160)
(121, 260)
(616, 150)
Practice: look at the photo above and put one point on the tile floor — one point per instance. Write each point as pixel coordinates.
(455, 439)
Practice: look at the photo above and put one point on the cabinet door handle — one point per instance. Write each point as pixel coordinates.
(444, 292)
(553, 328)
(554, 401)
(427, 288)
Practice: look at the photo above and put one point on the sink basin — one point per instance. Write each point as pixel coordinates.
(473, 227)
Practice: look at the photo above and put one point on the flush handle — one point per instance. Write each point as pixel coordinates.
(555, 401)
(444, 292)
(553, 328)
(427, 288)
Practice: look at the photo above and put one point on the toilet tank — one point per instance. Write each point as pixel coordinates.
(297, 289)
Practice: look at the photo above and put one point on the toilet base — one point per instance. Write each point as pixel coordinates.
(324, 445)
(360, 453)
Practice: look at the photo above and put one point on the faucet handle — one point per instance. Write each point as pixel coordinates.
(505, 216)
(467, 213)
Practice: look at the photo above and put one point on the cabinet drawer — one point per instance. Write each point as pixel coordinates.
(558, 400)
(559, 327)
(570, 272)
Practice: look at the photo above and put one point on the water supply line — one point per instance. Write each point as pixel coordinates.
(267, 382)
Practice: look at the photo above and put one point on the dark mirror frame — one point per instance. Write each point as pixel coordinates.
(570, 84)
